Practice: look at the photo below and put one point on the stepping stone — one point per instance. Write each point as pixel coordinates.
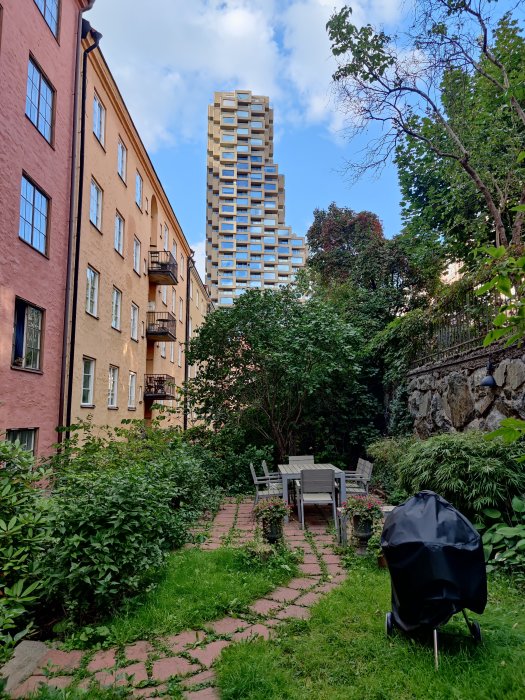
(58, 660)
(308, 599)
(208, 654)
(331, 559)
(310, 568)
(283, 595)
(102, 659)
(252, 631)
(166, 668)
(179, 641)
(202, 677)
(138, 651)
(137, 671)
(33, 682)
(293, 611)
(301, 583)
(204, 694)
(310, 559)
(228, 625)
(149, 692)
(263, 606)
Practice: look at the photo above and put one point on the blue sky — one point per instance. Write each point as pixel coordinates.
(169, 59)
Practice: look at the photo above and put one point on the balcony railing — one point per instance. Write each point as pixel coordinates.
(159, 387)
(162, 267)
(161, 325)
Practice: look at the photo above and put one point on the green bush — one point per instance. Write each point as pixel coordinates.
(23, 531)
(505, 545)
(466, 469)
(386, 454)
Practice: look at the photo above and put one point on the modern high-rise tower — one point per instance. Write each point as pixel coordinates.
(247, 241)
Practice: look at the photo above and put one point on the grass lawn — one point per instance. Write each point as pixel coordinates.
(198, 587)
(342, 652)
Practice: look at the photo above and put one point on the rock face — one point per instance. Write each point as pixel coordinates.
(453, 399)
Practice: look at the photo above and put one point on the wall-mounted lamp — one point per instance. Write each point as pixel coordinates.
(489, 380)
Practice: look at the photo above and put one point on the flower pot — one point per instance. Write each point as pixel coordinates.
(272, 531)
(362, 531)
(381, 561)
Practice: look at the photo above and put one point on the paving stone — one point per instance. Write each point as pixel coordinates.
(310, 559)
(202, 677)
(24, 661)
(102, 659)
(310, 568)
(137, 671)
(204, 694)
(28, 686)
(331, 559)
(61, 660)
(208, 654)
(334, 569)
(283, 594)
(293, 611)
(252, 631)
(272, 622)
(227, 625)
(308, 599)
(179, 641)
(150, 692)
(176, 666)
(263, 606)
(138, 651)
(301, 583)
(327, 587)
(105, 678)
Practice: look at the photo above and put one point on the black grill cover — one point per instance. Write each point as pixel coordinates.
(436, 562)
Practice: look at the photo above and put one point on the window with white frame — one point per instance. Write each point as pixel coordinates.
(179, 359)
(119, 233)
(99, 118)
(132, 390)
(88, 381)
(172, 352)
(134, 322)
(116, 304)
(138, 190)
(136, 255)
(174, 250)
(95, 205)
(164, 294)
(191, 290)
(33, 224)
(166, 238)
(163, 348)
(181, 271)
(27, 336)
(181, 309)
(39, 101)
(173, 301)
(49, 10)
(113, 387)
(122, 159)
(25, 436)
(92, 280)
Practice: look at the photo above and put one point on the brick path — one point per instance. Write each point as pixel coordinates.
(188, 657)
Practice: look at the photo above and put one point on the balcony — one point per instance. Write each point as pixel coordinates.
(158, 387)
(161, 326)
(162, 267)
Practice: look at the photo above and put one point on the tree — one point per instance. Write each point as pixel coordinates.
(273, 363)
(419, 86)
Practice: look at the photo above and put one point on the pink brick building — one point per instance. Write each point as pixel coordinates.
(39, 55)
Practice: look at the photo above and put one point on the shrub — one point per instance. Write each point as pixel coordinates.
(466, 469)
(386, 454)
(23, 530)
(505, 545)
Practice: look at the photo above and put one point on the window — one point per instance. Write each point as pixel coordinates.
(95, 205)
(33, 216)
(173, 301)
(99, 118)
(181, 309)
(136, 255)
(119, 233)
(134, 322)
(113, 387)
(164, 294)
(172, 352)
(39, 101)
(116, 303)
(163, 348)
(132, 388)
(191, 289)
(88, 380)
(227, 137)
(25, 436)
(174, 250)
(49, 9)
(179, 359)
(92, 291)
(27, 336)
(122, 159)
(138, 190)
(166, 237)
(181, 271)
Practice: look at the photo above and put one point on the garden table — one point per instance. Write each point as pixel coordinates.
(292, 472)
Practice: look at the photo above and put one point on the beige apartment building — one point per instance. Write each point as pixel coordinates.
(131, 319)
(247, 241)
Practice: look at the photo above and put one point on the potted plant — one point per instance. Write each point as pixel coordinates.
(271, 513)
(365, 511)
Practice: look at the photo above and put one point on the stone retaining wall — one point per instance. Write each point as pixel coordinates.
(450, 399)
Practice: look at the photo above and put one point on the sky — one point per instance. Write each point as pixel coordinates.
(168, 57)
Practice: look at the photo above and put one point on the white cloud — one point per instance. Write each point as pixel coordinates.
(169, 57)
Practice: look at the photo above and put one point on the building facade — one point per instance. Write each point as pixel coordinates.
(247, 241)
(39, 50)
(131, 314)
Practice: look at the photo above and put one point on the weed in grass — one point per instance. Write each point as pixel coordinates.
(342, 652)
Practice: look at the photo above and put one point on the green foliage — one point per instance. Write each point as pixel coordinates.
(23, 530)
(466, 469)
(386, 454)
(505, 544)
(366, 507)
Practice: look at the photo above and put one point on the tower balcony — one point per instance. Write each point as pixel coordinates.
(161, 325)
(162, 267)
(158, 387)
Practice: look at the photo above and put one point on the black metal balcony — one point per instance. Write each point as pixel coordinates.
(162, 267)
(158, 387)
(161, 325)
